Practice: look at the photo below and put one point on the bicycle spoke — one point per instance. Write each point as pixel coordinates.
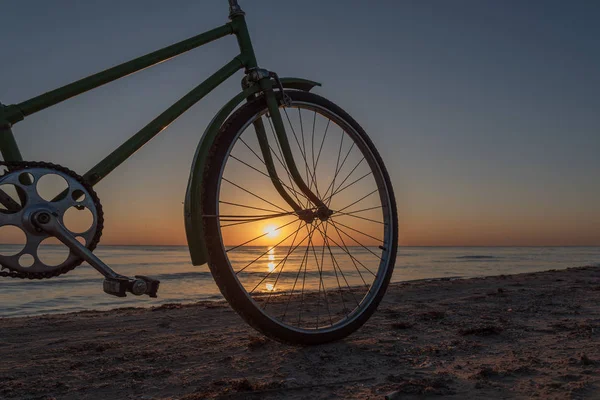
(335, 213)
(302, 152)
(348, 185)
(335, 263)
(345, 250)
(295, 282)
(357, 242)
(332, 184)
(334, 191)
(245, 206)
(294, 192)
(252, 150)
(263, 254)
(353, 259)
(312, 177)
(312, 143)
(323, 236)
(357, 231)
(312, 173)
(255, 195)
(304, 280)
(258, 237)
(290, 251)
(245, 217)
(337, 163)
(270, 272)
(362, 210)
(303, 142)
(314, 163)
(283, 164)
(320, 149)
(359, 200)
(321, 283)
(251, 220)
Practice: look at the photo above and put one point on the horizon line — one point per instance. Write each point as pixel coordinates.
(399, 246)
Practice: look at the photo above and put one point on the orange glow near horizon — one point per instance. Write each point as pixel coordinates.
(413, 232)
(428, 225)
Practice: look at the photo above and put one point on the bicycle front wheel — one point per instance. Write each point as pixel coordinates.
(299, 281)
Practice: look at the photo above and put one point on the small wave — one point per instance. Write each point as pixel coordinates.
(56, 282)
(183, 275)
(476, 257)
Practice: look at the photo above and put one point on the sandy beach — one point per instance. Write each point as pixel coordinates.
(514, 336)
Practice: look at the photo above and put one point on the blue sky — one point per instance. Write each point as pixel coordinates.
(485, 112)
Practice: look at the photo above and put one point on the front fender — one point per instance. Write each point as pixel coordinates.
(193, 203)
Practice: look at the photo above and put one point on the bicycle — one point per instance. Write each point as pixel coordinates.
(276, 153)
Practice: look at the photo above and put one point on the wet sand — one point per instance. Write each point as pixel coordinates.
(514, 336)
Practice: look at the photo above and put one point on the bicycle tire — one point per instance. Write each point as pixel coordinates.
(220, 265)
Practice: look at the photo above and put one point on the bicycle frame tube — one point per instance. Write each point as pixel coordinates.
(124, 151)
(10, 115)
(91, 82)
(8, 145)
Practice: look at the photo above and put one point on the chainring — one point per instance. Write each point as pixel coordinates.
(19, 168)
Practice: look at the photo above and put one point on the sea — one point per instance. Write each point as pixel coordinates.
(181, 282)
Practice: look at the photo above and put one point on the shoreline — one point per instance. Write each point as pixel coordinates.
(184, 283)
(523, 335)
(219, 298)
(216, 299)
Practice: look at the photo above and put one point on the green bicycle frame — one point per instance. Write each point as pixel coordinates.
(12, 114)
(15, 113)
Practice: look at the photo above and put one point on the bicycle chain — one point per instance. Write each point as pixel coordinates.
(21, 165)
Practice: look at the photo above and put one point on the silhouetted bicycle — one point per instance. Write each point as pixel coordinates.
(288, 200)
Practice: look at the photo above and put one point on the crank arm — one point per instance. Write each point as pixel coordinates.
(114, 283)
(50, 224)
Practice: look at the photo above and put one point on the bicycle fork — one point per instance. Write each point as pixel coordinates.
(319, 209)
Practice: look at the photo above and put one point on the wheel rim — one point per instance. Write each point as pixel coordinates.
(312, 277)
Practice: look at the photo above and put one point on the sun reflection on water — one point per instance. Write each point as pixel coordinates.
(271, 257)
(271, 266)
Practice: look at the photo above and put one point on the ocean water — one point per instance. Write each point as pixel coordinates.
(182, 282)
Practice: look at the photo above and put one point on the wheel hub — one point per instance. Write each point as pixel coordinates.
(323, 213)
(309, 215)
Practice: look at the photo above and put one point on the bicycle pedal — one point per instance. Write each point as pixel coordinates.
(116, 287)
(139, 286)
(151, 285)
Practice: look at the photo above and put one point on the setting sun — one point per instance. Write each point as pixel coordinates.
(271, 231)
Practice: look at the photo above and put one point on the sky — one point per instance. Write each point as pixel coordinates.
(485, 112)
